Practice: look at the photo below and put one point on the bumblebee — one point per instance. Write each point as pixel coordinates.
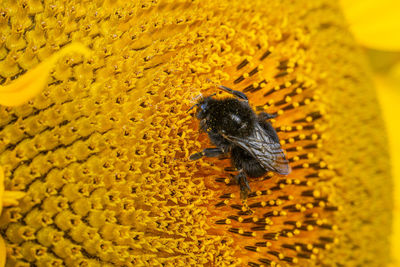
(246, 137)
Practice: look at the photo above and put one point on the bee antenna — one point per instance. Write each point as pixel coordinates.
(197, 104)
(238, 94)
(192, 107)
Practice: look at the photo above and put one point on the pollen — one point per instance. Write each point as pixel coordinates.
(97, 150)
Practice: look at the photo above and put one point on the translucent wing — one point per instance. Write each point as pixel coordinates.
(264, 148)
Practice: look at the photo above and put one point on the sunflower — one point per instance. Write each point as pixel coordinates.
(372, 23)
(101, 153)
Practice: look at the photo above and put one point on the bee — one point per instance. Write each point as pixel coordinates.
(238, 132)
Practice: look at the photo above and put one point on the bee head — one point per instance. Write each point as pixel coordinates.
(202, 106)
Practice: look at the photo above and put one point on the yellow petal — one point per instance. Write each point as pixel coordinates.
(10, 198)
(31, 83)
(389, 96)
(7, 198)
(2, 245)
(375, 24)
(1, 189)
(2, 252)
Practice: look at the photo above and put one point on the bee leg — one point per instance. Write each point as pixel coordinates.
(207, 152)
(230, 169)
(241, 179)
(266, 116)
(235, 93)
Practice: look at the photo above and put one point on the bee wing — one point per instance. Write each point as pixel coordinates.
(262, 147)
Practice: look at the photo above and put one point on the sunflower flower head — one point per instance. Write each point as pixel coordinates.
(102, 152)
(7, 198)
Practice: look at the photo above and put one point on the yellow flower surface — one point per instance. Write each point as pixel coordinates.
(7, 198)
(374, 23)
(22, 90)
(389, 96)
(102, 152)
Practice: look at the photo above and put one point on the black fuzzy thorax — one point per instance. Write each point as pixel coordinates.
(229, 116)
